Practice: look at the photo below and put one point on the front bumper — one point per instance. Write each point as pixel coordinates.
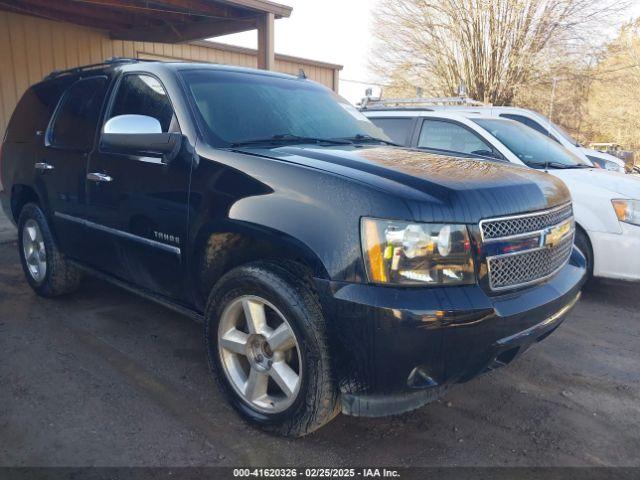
(616, 255)
(395, 349)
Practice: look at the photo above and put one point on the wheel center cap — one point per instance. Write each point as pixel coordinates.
(259, 353)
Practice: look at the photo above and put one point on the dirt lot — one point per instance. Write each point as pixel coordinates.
(7, 230)
(106, 378)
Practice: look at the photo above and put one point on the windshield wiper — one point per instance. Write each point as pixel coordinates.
(287, 138)
(360, 138)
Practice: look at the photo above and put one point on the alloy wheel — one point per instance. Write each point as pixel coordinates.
(35, 254)
(260, 354)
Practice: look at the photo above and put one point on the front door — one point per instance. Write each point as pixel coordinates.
(450, 136)
(140, 203)
(62, 162)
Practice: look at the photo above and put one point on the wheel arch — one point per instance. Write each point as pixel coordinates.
(588, 255)
(218, 249)
(20, 196)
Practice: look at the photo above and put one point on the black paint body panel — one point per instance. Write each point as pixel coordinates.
(302, 203)
(452, 334)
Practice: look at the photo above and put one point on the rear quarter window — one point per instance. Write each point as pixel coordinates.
(34, 110)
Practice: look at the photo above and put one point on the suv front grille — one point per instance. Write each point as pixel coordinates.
(528, 267)
(517, 225)
(544, 255)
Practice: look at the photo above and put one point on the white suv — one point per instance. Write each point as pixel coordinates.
(606, 203)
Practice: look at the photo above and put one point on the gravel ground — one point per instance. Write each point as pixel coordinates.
(106, 378)
(7, 230)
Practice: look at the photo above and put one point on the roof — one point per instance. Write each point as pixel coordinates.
(167, 21)
(225, 68)
(418, 103)
(424, 113)
(150, 65)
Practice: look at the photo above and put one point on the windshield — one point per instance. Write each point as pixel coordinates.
(244, 107)
(531, 147)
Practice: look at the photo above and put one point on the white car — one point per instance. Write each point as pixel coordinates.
(542, 124)
(606, 204)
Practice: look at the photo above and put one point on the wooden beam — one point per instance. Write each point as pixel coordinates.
(66, 8)
(184, 32)
(205, 7)
(142, 10)
(266, 50)
(277, 9)
(57, 16)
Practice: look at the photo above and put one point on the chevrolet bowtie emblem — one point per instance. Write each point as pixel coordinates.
(555, 235)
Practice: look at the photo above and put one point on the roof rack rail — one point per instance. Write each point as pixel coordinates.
(413, 103)
(107, 62)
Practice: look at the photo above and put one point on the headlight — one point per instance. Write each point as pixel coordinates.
(405, 253)
(627, 210)
(613, 167)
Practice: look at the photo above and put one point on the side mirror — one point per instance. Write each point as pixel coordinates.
(139, 135)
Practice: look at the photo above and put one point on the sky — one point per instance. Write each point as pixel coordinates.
(334, 31)
(317, 32)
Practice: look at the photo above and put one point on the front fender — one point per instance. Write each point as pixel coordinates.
(301, 211)
(234, 235)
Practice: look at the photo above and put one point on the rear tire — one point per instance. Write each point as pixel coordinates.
(290, 303)
(46, 269)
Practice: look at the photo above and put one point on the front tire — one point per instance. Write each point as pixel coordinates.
(266, 341)
(584, 245)
(46, 269)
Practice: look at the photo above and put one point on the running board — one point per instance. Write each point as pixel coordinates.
(198, 317)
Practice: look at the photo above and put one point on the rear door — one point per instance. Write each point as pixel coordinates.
(140, 203)
(62, 161)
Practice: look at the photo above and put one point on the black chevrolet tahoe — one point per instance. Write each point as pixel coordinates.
(333, 271)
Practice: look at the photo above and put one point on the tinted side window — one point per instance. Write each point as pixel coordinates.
(442, 135)
(76, 120)
(397, 129)
(34, 110)
(143, 95)
(529, 122)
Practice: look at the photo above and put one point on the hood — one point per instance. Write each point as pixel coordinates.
(619, 184)
(464, 189)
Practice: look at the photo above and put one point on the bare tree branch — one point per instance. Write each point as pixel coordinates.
(494, 47)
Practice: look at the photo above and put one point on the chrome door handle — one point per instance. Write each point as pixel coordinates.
(99, 177)
(43, 166)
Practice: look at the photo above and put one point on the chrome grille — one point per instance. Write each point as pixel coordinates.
(524, 267)
(520, 224)
(528, 267)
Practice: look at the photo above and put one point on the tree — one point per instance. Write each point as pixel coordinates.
(614, 96)
(492, 47)
(559, 88)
